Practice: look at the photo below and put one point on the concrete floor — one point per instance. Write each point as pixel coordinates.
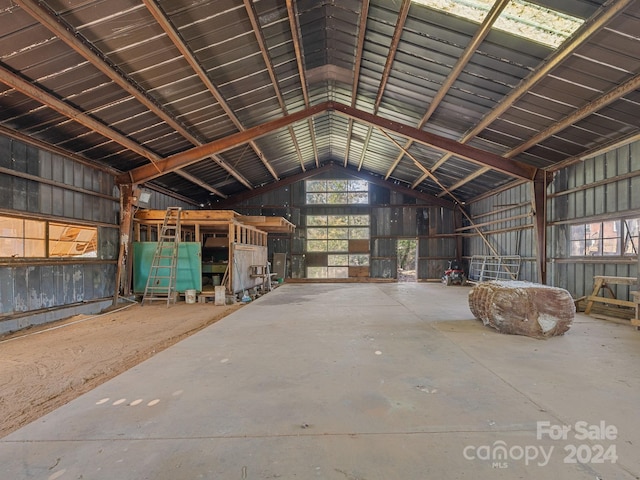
(355, 382)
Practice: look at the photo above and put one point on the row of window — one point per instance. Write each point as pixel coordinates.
(331, 233)
(337, 192)
(25, 238)
(607, 238)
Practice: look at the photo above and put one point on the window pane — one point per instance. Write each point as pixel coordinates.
(34, 229)
(338, 245)
(593, 237)
(34, 248)
(67, 240)
(316, 272)
(337, 198)
(338, 272)
(358, 260)
(358, 186)
(316, 245)
(611, 238)
(337, 185)
(631, 239)
(338, 220)
(337, 232)
(577, 248)
(359, 220)
(316, 220)
(11, 227)
(338, 260)
(359, 198)
(11, 247)
(316, 186)
(317, 198)
(578, 232)
(316, 233)
(358, 233)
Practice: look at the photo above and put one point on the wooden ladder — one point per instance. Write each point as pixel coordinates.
(161, 281)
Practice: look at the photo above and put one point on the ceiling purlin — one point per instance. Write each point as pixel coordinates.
(513, 168)
(589, 29)
(146, 173)
(257, 30)
(295, 36)
(457, 69)
(583, 112)
(199, 182)
(393, 47)
(67, 34)
(177, 41)
(27, 88)
(362, 29)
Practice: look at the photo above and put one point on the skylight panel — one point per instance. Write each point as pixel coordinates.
(521, 18)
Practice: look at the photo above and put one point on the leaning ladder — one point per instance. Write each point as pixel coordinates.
(161, 281)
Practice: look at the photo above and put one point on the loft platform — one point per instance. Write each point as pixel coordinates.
(217, 219)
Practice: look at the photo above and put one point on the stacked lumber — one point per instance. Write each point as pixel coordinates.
(523, 308)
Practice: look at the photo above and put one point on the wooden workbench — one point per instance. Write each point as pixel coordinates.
(603, 281)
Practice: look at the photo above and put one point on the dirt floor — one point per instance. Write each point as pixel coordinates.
(45, 367)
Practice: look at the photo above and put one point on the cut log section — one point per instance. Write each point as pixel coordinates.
(523, 308)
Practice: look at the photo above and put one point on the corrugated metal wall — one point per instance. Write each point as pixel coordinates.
(606, 187)
(505, 221)
(392, 216)
(39, 184)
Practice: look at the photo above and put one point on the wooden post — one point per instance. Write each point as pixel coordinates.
(126, 223)
(539, 205)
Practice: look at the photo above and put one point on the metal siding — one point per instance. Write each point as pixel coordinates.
(384, 267)
(635, 181)
(614, 200)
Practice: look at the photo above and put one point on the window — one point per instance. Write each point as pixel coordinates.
(331, 233)
(72, 241)
(596, 239)
(21, 238)
(631, 236)
(26, 238)
(524, 19)
(338, 237)
(337, 192)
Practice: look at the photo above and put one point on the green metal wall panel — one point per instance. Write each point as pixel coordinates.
(188, 273)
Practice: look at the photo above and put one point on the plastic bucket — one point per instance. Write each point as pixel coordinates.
(190, 296)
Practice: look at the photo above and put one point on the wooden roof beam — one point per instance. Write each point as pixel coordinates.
(510, 167)
(145, 173)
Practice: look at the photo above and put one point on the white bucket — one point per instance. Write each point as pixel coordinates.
(190, 296)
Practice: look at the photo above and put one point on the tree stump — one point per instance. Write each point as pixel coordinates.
(523, 308)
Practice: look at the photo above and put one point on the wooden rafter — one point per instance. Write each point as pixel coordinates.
(486, 159)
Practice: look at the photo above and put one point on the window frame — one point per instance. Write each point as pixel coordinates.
(43, 243)
(336, 192)
(604, 238)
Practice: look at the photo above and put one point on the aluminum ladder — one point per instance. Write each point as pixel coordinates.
(161, 281)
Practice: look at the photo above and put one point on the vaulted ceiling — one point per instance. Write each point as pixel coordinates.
(212, 99)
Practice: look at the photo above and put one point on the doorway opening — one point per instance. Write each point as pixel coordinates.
(407, 252)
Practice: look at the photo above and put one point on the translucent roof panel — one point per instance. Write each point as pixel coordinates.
(524, 19)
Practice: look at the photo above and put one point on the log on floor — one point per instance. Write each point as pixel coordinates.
(523, 308)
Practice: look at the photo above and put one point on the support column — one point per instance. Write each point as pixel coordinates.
(457, 223)
(539, 205)
(123, 282)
